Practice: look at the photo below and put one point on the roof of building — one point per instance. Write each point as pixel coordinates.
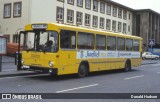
(131, 9)
(147, 10)
(118, 4)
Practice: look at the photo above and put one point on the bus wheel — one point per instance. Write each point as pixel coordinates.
(127, 66)
(82, 71)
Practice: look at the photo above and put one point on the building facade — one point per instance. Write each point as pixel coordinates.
(95, 14)
(146, 23)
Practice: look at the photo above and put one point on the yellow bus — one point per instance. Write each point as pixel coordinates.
(64, 49)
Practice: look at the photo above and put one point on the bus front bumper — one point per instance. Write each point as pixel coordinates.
(41, 69)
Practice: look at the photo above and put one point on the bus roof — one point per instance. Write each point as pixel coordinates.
(79, 28)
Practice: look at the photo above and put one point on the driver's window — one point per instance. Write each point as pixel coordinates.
(53, 36)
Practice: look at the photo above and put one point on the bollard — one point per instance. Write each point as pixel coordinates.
(18, 60)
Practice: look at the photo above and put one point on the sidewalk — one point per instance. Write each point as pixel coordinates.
(10, 70)
(145, 62)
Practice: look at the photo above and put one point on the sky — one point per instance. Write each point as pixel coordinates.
(141, 4)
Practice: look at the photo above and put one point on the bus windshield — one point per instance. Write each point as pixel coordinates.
(42, 41)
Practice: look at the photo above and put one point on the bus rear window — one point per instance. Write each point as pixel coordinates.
(85, 40)
(68, 39)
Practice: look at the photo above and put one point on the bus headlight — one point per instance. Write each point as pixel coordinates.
(50, 64)
(22, 61)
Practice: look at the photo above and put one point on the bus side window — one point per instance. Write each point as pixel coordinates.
(129, 44)
(120, 44)
(85, 40)
(136, 45)
(100, 42)
(111, 43)
(68, 39)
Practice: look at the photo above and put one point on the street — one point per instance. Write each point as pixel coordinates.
(144, 79)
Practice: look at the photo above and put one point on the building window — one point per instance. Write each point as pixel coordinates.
(88, 4)
(102, 7)
(17, 9)
(79, 18)
(119, 13)
(124, 27)
(108, 24)
(95, 5)
(115, 11)
(129, 16)
(95, 21)
(108, 9)
(7, 11)
(80, 3)
(125, 14)
(87, 19)
(70, 14)
(101, 25)
(114, 25)
(70, 2)
(119, 26)
(129, 28)
(60, 13)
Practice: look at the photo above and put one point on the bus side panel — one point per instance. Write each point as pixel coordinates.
(97, 64)
(67, 62)
(116, 63)
(136, 62)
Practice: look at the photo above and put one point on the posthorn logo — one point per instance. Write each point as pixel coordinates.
(6, 96)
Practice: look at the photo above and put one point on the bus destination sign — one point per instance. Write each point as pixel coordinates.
(39, 26)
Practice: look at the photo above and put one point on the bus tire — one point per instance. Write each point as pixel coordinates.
(127, 66)
(82, 71)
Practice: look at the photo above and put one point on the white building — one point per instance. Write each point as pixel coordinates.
(95, 14)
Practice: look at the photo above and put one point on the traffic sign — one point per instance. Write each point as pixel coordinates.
(151, 42)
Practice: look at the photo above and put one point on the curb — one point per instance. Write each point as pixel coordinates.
(150, 63)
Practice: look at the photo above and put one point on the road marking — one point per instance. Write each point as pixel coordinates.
(134, 77)
(82, 87)
(158, 72)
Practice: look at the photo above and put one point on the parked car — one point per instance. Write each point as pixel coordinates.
(149, 55)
